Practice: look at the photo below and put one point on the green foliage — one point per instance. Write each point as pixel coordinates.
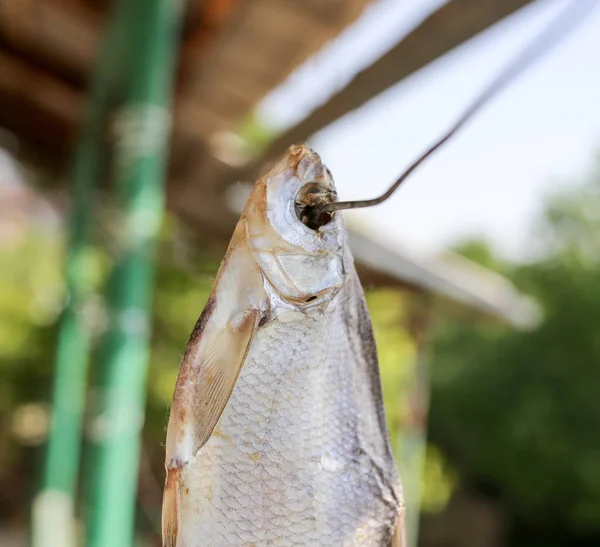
(255, 135)
(181, 292)
(396, 353)
(480, 252)
(31, 294)
(397, 359)
(518, 412)
(438, 481)
(514, 413)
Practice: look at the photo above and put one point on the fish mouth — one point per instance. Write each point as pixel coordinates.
(309, 202)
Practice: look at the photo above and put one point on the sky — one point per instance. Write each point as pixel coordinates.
(491, 181)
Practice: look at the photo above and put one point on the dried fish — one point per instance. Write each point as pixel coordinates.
(277, 434)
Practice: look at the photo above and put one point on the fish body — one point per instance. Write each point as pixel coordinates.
(277, 434)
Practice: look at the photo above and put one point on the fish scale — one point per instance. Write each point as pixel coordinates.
(263, 475)
(297, 453)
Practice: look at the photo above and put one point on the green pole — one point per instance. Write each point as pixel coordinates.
(53, 506)
(141, 127)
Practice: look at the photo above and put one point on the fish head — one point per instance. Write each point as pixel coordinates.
(299, 250)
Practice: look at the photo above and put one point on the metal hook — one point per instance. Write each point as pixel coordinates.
(547, 39)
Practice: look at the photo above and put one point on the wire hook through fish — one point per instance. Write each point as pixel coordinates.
(547, 39)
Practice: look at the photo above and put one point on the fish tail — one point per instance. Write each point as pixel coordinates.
(170, 509)
(399, 537)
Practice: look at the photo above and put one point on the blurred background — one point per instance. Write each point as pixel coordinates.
(129, 135)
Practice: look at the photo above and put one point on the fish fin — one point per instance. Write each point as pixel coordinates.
(199, 409)
(170, 509)
(399, 537)
(216, 352)
(221, 364)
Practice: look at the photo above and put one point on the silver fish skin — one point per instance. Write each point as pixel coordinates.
(277, 434)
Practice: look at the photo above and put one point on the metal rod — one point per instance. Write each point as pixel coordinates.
(53, 507)
(141, 127)
(548, 38)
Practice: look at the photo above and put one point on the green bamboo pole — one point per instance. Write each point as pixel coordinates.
(53, 506)
(140, 151)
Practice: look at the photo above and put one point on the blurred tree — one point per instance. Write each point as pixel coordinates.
(517, 413)
(30, 299)
(390, 310)
(255, 135)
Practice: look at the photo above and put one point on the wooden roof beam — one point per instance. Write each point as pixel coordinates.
(61, 35)
(448, 27)
(38, 108)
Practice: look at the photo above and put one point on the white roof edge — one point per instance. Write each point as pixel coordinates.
(451, 276)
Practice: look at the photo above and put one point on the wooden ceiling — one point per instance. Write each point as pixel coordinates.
(233, 52)
(198, 196)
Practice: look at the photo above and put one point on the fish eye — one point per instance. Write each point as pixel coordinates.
(307, 205)
(313, 217)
